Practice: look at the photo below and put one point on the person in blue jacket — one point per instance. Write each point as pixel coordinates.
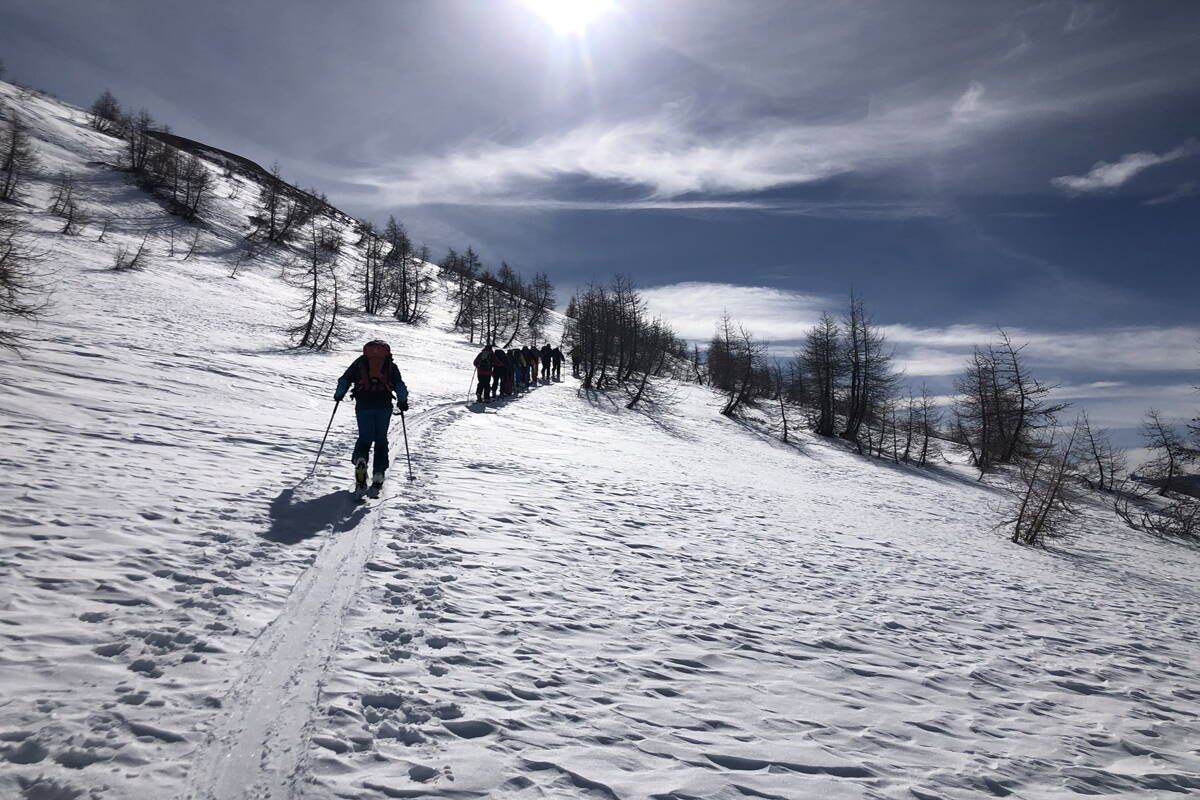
(372, 380)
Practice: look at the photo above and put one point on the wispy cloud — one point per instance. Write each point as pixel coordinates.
(899, 210)
(1112, 350)
(693, 308)
(671, 154)
(970, 102)
(784, 316)
(1105, 176)
(1180, 192)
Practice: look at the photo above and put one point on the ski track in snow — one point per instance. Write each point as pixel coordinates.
(256, 751)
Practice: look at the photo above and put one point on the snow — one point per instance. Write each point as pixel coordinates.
(572, 600)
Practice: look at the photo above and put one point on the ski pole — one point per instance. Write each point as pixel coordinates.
(320, 449)
(404, 428)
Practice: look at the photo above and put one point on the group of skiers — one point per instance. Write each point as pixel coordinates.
(373, 380)
(502, 373)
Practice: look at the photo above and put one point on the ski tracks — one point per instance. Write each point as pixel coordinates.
(257, 750)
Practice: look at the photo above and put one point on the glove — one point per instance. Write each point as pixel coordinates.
(402, 405)
(338, 396)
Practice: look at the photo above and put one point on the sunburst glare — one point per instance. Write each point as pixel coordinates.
(569, 16)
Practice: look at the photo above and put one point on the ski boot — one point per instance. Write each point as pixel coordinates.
(360, 475)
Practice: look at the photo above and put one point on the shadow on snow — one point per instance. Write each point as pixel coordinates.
(293, 521)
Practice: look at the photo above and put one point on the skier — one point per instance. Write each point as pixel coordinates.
(518, 367)
(556, 355)
(483, 368)
(576, 361)
(499, 365)
(547, 354)
(531, 362)
(372, 380)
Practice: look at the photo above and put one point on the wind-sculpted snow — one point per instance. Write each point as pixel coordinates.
(572, 601)
(623, 606)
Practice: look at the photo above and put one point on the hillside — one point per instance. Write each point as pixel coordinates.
(571, 600)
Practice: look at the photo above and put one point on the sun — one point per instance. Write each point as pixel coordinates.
(569, 16)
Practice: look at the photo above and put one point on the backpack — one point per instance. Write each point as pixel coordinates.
(375, 368)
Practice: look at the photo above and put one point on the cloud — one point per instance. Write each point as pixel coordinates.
(694, 307)
(879, 211)
(970, 102)
(673, 154)
(1180, 192)
(783, 317)
(1120, 349)
(1105, 176)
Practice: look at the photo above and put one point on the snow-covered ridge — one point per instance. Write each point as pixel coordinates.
(573, 600)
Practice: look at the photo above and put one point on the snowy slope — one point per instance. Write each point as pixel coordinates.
(573, 600)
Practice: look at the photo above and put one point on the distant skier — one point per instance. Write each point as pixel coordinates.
(547, 354)
(372, 380)
(556, 356)
(499, 367)
(531, 361)
(576, 362)
(483, 368)
(518, 368)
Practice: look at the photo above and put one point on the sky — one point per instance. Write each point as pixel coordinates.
(963, 166)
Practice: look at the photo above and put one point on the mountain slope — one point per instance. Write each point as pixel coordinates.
(571, 600)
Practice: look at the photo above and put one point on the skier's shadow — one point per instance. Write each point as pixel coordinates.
(293, 521)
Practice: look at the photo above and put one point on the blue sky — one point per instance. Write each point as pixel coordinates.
(1034, 165)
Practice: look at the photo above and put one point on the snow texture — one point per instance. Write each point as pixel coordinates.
(572, 600)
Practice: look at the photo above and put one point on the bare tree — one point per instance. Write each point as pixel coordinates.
(316, 274)
(1169, 450)
(1001, 408)
(614, 341)
(1044, 501)
(283, 209)
(192, 189)
(736, 364)
(370, 273)
(822, 361)
(929, 422)
(1178, 519)
(1099, 461)
(129, 259)
(871, 379)
(20, 293)
(17, 158)
(106, 113)
(139, 141)
(408, 286)
(782, 391)
(65, 205)
(105, 224)
(192, 245)
(657, 340)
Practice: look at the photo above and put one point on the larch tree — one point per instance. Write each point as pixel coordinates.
(822, 361)
(17, 158)
(20, 295)
(105, 113)
(1169, 451)
(1002, 410)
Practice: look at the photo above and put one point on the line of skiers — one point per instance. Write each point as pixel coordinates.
(502, 372)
